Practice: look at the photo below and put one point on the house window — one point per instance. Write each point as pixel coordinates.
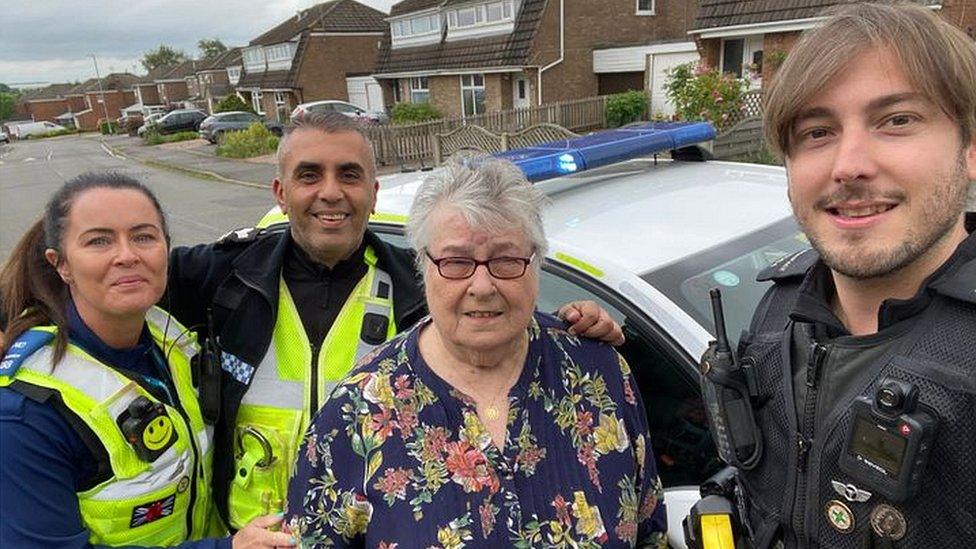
(488, 13)
(254, 59)
(521, 88)
(234, 74)
(281, 106)
(426, 24)
(256, 102)
(732, 56)
(473, 94)
(397, 94)
(419, 92)
(645, 7)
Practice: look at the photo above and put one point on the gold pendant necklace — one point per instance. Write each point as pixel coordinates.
(491, 412)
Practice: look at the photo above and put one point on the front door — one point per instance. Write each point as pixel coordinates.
(520, 93)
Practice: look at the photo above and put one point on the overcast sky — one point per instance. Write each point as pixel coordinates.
(51, 41)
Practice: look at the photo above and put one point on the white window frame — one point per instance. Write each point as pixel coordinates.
(234, 75)
(645, 11)
(480, 14)
(473, 87)
(256, 97)
(254, 60)
(419, 85)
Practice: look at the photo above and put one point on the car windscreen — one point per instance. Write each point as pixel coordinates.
(732, 267)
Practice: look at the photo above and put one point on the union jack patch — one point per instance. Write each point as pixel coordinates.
(152, 511)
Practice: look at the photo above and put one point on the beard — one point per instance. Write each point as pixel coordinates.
(858, 256)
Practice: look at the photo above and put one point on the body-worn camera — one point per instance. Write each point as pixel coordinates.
(728, 389)
(148, 428)
(889, 441)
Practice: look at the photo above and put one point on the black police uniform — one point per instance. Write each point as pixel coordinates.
(809, 372)
(237, 279)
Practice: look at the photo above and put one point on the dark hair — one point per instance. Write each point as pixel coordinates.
(31, 290)
(326, 122)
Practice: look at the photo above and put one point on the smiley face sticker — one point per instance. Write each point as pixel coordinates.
(157, 433)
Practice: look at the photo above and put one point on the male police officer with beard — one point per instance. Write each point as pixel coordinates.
(293, 309)
(859, 370)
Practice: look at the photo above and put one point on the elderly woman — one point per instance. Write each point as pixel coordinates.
(487, 424)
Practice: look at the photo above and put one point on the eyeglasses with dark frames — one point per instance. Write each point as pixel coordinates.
(460, 268)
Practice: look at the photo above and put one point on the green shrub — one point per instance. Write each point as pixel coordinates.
(702, 93)
(108, 126)
(624, 108)
(256, 140)
(154, 138)
(233, 103)
(408, 113)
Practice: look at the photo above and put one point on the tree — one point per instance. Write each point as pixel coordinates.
(232, 103)
(163, 55)
(7, 102)
(6, 89)
(210, 47)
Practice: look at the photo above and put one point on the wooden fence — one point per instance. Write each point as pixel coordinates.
(415, 142)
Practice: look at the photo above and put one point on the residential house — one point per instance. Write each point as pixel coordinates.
(105, 98)
(467, 57)
(146, 90)
(172, 87)
(752, 37)
(51, 103)
(309, 57)
(214, 77)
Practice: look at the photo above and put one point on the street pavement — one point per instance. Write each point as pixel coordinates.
(199, 209)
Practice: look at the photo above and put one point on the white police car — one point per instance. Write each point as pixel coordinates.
(646, 238)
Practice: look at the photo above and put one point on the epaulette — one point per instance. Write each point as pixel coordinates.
(795, 264)
(247, 235)
(23, 347)
(960, 285)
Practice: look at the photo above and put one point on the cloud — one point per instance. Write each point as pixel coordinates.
(52, 40)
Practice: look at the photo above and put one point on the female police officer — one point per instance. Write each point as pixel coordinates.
(103, 440)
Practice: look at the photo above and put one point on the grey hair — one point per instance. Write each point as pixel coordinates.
(491, 194)
(327, 122)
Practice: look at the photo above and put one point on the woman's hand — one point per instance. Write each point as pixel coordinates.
(588, 319)
(257, 534)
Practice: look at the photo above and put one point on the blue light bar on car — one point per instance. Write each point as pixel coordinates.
(548, 160)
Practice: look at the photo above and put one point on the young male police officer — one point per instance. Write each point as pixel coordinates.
(292, 310)
(863, 347)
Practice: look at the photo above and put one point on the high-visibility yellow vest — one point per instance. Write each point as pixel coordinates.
(161, 502)
(289, 386)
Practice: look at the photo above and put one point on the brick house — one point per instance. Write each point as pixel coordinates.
(147, 90)
(468, 56)
(213, 78)
(309, 56)
(105, 99)
(172, 87)
(51, 103)
(752, 37)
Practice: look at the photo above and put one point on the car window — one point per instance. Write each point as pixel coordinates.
(732, 267)
(346, 108)
(669, 390)
(325, 107)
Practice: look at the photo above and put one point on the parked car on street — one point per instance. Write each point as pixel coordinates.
(23, 131)
(4, 138)
(218, 124)
(182, 120)
(130, 123)
(347, 109)
(148, 122)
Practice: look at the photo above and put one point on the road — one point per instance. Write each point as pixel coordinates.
(199, 210)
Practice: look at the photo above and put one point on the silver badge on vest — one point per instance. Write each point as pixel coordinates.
(850, 492)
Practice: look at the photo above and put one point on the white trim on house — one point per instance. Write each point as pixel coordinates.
(634, 58)
(448, 72)
(652, 11)
(345, 34)
(768, 27)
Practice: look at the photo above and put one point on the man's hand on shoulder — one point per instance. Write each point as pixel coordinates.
(588, 319)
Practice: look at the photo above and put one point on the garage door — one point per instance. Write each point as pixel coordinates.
(365, 92)
(659, 63)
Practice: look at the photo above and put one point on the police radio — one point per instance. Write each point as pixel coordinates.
(889, 440)
(728, 388)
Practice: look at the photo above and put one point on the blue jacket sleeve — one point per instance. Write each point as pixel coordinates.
(42, 460)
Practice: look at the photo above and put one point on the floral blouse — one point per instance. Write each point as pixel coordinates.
(398, 458)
